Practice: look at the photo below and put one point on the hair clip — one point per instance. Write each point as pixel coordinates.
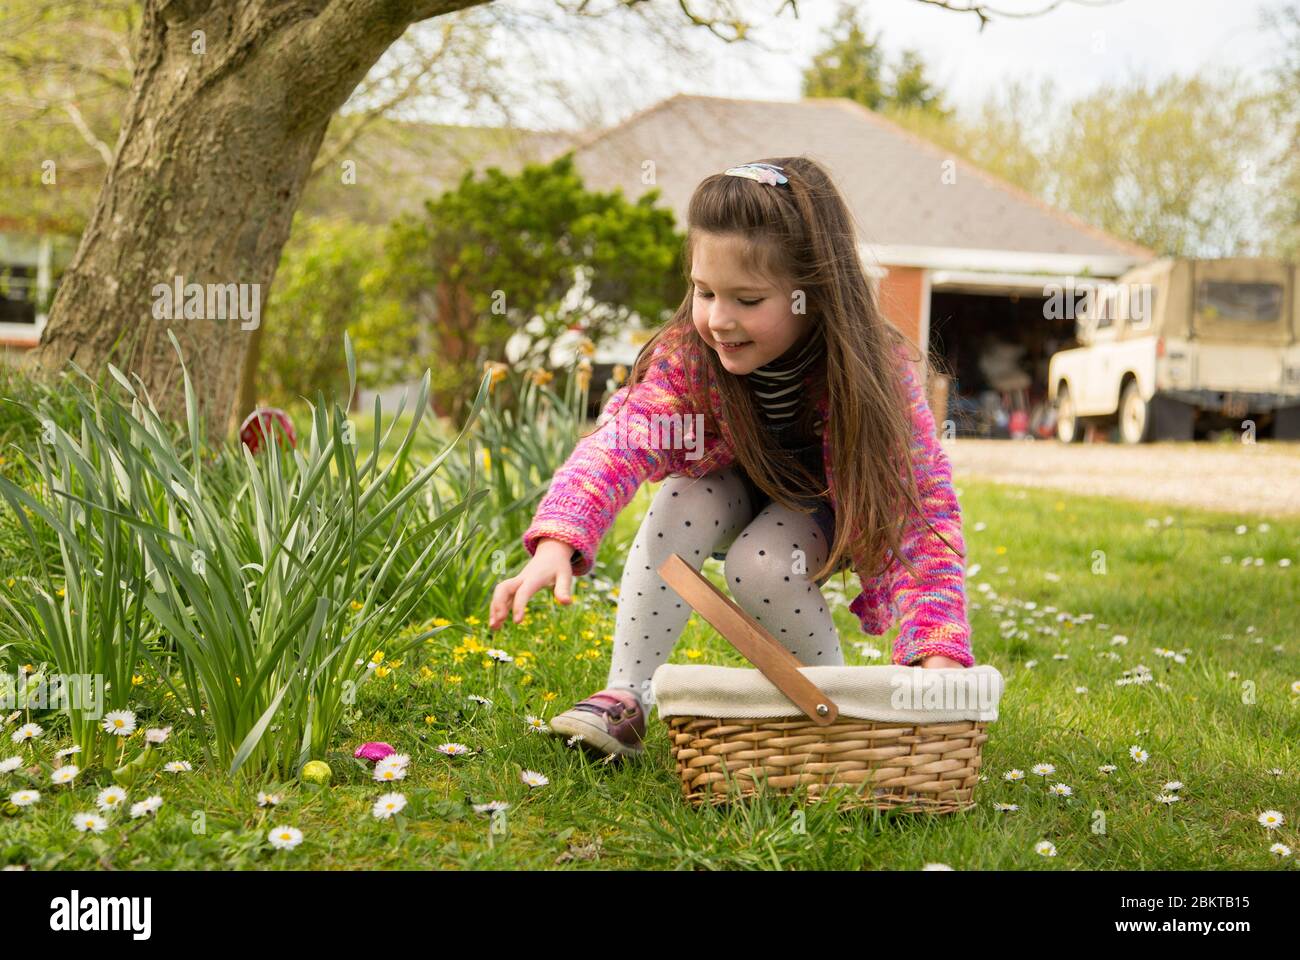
(762, 172)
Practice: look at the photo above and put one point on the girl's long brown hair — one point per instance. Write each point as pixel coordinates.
(802, 234)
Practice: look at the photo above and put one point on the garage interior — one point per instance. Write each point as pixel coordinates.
(995, 344)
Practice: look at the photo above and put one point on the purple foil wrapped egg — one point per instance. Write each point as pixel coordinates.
(373, 751)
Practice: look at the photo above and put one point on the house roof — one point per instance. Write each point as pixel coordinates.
(891, 178)
(401, 164)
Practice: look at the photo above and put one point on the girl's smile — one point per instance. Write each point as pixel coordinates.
(745, 317)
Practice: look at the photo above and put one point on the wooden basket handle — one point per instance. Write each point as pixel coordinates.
(748, 636)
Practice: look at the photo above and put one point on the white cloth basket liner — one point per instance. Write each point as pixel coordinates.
(887, 692)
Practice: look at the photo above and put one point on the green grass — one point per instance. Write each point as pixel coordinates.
(1162, 586)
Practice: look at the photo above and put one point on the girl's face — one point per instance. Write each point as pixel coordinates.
(734, 307)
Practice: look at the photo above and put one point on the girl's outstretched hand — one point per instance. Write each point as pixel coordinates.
(551, 564)
(940, 662)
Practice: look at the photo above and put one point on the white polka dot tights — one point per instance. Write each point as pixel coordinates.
(768, 563)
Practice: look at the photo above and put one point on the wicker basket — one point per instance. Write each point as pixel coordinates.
(735, 732)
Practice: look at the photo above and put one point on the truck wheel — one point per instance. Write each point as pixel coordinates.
(1068, 428)
(1135, 420)
(1174, 420)
(1286, 424)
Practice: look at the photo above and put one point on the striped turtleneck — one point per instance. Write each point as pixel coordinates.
(777, 385)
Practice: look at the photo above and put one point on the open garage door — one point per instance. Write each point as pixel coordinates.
(994, 336)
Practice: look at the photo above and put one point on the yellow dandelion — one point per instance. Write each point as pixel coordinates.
(357, 604)
(426, 673)
(1000, 550)
(136, 680)
(382, 671)
(472, 620)
(694, 654)
(430, 719)
(487, 459)
(549, 695)
(441, 622)
(377, 657)
(454, 678)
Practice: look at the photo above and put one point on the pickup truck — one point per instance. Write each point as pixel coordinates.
(1176, 347)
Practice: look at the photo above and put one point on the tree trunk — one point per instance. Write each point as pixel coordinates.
(228, 107)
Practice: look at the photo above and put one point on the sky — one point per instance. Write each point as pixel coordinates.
(1081, 45)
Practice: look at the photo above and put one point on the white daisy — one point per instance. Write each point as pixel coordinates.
(1281, 849)
(178, 766)
(157, 734)
(1107, 768)
(120, 723)
(284, 838)
(1014, 775)
(146, 806)
(536, 724)
(1060, 789)
(265, 799)
(67, 752)
(110, 798)
(490, 806)
(65, 774)
(1295, 687)
(477, 699)
(92, 822)
(1173, 785)
(534, 779)
(1042, 769)
(453, 749)
(1006, 807)
(402, 760)
(28, 731)
(1275, 771)
(500, 656)
(24, 798)
(10, 764)
(387, 805)
(1269, 818)
(386, 774)
(936, 866)
(1080, 689)
(1045, 848)
(1138, 754)
(1168, 798)
(576, 738)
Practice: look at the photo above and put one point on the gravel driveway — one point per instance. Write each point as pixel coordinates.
(1256, 478)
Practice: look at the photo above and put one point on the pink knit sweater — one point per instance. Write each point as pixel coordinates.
(601, 476)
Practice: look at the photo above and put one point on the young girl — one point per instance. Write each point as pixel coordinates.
(818, 451)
